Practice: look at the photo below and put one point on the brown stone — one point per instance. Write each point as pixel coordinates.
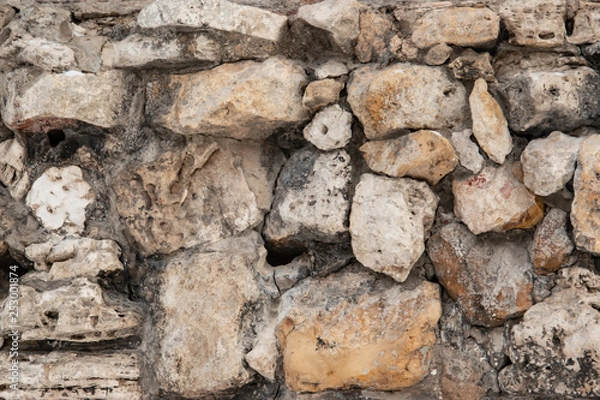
(551, 244)
(536, 23)
(321, 93)
(375, 32)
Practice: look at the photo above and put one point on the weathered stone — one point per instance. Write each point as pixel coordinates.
(471, 65)
(461, 26)
(438, 54)
(551, 244)
(585, 213)
(490, 279)
(88, 52)
(405, 96)
(76, 313)
(331, 69)
(375, 32)
(496, 200)
(91, 8)
(59, 198)
(311, 199)
(330, 129)
(137, 51)
(219, 15)
(404, 49)
(388, 223)
(537, 23)
(423, 155)
(7, 13)
(77, 376)
(467, 150)
(245, 100)
(586, 23)
(548, 164)
(339, 18)
(201, 346)
(288, 275)
(12, 167)
(555, 348)
(380, 341)
(321, 93)
(48, 55)
(185, 197)
(41, 102)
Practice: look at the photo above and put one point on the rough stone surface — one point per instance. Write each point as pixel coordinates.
(460, 26)
(388, 223)
(551, 244)
(375, 33)
(548, 164)
(489, 125)
(586, 24)
(467, 150)
(13, 175)
(59, 198)
(537, 23)
(471, 65)
(48, 55)
(330, 129)
(496, 200)
(331, 69)
(321, 93)
(438, 54)
(311, 199)
(405, 96)
(381, 341)
(423, 155)
(245, 100)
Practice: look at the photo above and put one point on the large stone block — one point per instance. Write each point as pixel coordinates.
(536, 23)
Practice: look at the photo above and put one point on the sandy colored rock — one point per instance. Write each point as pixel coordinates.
(470, 66)
(586, 23)
(496, 200)
(438, 54)
(551, 244)
(376, 31)
(221, 15)
(549, 163)
(330, 69)
(423, 155)
(48, 55)
(330, 129)
(460, 26)
(467, 150)
(388, 222)
(380, 341)
(7, 13)
(245, 100)
(321, 93)
(405, 96)
(59, 197)
(490, 279)
(489, 125)
(12, 167)
(536, 23)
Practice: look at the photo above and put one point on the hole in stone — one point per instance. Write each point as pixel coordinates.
(546, 35)
(55, 136)
(282, 256)
(52, 315)
(569, 24)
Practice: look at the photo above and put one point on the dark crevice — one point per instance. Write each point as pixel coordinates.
(56, 136)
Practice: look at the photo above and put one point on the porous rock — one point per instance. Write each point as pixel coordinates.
(586, 24)
(321, 93)
(388, 223)
(330, 129)
(467, 150)
(551, 244)
(405, 96)
(471, 65)
(12, 167)
(537, 23)
(423, 155)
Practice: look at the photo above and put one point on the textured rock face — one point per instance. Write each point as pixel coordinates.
(245, 100)
(586, 24)
(378, 346)
(12, 168)
(388, 223)
(467, 150)
(330, 129)
(551, 244)
(537, 23)
(405, 96)
(471, 65)
(375, 33)
(460, 26)
(496, 200)
(423, 155)
(490, 280)
(321, 93)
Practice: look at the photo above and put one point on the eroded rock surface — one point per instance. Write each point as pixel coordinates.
(330, 129)
(467, 150)
(537, 23)
(551, 244)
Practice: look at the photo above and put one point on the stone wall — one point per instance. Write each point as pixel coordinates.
(300, 200)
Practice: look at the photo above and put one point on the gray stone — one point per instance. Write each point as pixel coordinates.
(7, 13)
(438, 54)
(48, 55)
(91, 8)
(470, 66)
(288, 275)
(551, 244)
(467, 150)
(88, 52)
(330, 129)
(330, 69)
(536, 23)
(586, 24)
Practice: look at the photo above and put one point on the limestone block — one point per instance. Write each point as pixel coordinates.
(536, 23)
(330, 129)
(551, 244)
(322, 93)
(467, 150)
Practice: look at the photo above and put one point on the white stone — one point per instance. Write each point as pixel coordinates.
(331, 69)
(467, 150)
(330, 129)
(59, 198)
(48, 55)
(12, 166)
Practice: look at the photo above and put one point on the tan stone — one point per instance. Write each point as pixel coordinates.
(586, 24)
(471, 65)
(536, 23)
(423, 155)
(490, 128)
(12, 167)
(461, 26)
(321, 93)
(551, 244)
(380, 341)
(438, 54)
(375, 31)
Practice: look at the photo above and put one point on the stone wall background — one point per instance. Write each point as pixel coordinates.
(300, 200)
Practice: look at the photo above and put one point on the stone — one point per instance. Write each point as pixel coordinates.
(311, 199)
(470, 66)
(460, 26)
(496, 200)
(438, 54)
(467, 150)
(489, 125)
(376, 31)
(185, 197)
(537, 23)
(331, 69)
(545, 100)
(330, 129)
(388, 223)
(77, 312)
(43, 102)
(264, 356)
(84, 9)
(59, 198)
(244, 100)
(339, 18)
(48, 55)
(322, 93)
(586, 24)
(403, 49)
(381, 341)
(490, 279)
(7, 13)
(423, 155)
(585, 213)
(200, 347)
(12, 167)
(286, 276)
(137, 51)
(67, 374)
(549, 163)
(405, 96)
(220, 15)
(555, 348)
(551, 244)
(88, 52)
